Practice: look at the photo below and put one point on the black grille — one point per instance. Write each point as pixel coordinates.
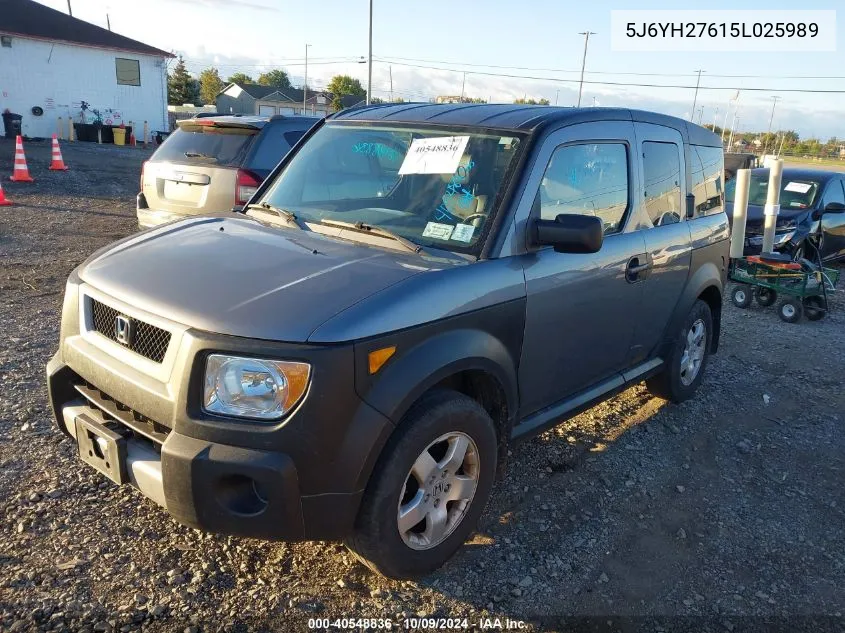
(149, 341)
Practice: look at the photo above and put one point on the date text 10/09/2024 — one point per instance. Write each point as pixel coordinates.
(416, 624)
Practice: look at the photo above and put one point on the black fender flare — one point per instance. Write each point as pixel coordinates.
(403, 380)
(706, 276)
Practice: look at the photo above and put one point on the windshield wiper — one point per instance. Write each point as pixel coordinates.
(375, 230)
(290, 216)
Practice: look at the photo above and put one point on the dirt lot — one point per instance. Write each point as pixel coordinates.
(723, 514)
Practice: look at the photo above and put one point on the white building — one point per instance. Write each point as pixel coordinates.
(50, 63)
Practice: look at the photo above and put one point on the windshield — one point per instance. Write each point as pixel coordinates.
(794, 194)
(434, 187)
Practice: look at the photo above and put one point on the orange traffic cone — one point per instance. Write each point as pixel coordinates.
(58, 164)
(3, 201)
(21, 172)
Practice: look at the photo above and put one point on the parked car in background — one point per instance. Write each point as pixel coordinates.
(415, 287)
(802, 192)
(735, 161)
(213, 164)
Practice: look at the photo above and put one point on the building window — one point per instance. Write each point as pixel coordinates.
(128, 72)
(6, 41)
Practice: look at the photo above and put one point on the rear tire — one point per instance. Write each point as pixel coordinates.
(742, 295)
(766, 297)
(687, 358)
(814, 308)
(790, 310)
(415, 479)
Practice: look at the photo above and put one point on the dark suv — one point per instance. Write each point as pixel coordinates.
(412, 289)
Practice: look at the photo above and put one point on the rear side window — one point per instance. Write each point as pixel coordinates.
(707, 179)
(207, 145)
(662, 182)
(589, 179)
(272, 145)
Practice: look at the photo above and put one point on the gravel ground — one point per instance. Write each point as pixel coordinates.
(722, 514)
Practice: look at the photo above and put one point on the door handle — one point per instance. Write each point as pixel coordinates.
(635, 268)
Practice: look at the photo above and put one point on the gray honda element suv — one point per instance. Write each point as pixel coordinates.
(413, 288)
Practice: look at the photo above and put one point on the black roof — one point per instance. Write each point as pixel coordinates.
(800, 173)
(519, 117)
(28, 18)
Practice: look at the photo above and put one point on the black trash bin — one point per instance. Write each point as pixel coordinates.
(12, 123)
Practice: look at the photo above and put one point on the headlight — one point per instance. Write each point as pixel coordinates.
(253, 387)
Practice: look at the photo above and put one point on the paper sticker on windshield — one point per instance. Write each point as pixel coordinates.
(463, 233)
(440, 155)
(438, 231)
(798, 187)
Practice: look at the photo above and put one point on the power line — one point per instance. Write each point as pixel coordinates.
(619, 83)
(605, 72)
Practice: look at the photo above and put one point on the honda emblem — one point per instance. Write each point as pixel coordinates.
(124, 330)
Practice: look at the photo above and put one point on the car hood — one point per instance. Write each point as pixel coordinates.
(240, 277)
(755, 216)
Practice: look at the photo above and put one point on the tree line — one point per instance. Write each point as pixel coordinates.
(182, 87)
(793, 144)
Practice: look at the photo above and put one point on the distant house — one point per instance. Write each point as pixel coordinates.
(243, 98)
(50, 63)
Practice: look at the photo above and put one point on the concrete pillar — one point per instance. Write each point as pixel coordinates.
(743, 183)
(772, 208)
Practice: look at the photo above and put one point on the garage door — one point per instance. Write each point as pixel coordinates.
(287, 111)
(266, 110)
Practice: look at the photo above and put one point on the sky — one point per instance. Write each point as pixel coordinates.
(532, 38)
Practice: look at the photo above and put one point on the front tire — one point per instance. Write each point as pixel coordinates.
(742, 295)
(790, 310)
(687, 357)
(429, 487)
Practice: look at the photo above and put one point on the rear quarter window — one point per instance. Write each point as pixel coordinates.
(211, 146)
(707, 174)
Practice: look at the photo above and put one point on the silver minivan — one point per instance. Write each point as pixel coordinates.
(213, 164)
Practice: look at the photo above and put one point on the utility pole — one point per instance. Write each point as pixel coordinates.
(715, 114)
(695, 98)
(586, 35)
(390, 70)
(69, 10)
(108, 22)
(463, 85)
(700, 114)
(594, 102)
(370, 63)
(727, 112)
(557, 96)
(771, 118)
(734, 126)
(305, 85)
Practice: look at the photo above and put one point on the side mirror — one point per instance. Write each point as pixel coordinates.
(832, 207)
(568, 233)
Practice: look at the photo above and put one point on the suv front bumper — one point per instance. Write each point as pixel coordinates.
(302, 478)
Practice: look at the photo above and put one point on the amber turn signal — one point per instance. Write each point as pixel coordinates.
(379, 357)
